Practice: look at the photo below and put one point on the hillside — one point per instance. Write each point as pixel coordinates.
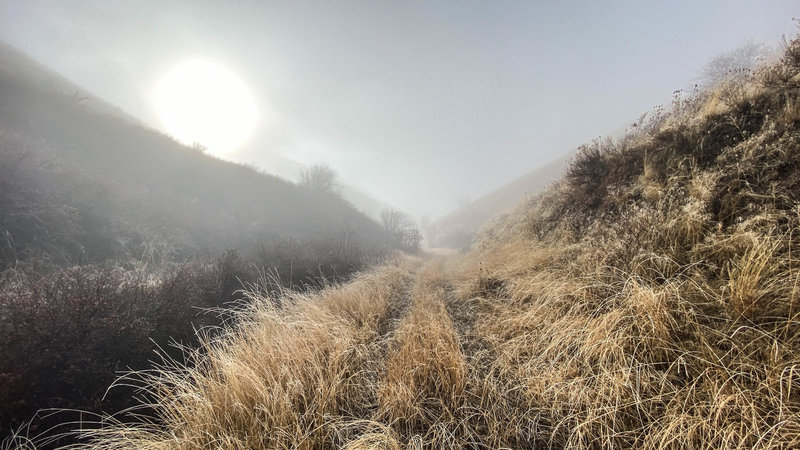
(646, 300)
(459, 228)
(116, 241)
(117, 187)
(15, 65)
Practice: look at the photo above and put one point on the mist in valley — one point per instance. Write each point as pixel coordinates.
(465, 98)
(174, 175)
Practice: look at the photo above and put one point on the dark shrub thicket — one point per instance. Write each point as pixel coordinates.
(68, 334)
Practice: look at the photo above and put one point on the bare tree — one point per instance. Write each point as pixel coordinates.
(319, 177)
(404, 233)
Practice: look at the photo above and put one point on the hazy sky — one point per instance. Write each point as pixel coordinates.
(420, 104)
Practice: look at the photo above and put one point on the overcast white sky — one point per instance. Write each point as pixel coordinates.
(420, 104)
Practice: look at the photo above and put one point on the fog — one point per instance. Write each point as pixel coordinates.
(418, 104)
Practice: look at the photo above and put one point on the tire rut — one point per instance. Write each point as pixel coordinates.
(464, 314)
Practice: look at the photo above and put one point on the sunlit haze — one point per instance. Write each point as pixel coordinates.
(200, 102)
(421, 105)
(400, 224)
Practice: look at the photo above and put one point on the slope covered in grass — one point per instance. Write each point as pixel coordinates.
(649, 299)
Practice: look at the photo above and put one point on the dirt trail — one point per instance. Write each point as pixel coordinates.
(433, 287)
(426, 370)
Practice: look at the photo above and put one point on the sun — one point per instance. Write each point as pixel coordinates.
(200, 102)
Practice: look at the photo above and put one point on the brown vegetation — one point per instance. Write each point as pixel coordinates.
(648, 300)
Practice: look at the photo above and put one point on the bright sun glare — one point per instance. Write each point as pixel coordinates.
(202, 102)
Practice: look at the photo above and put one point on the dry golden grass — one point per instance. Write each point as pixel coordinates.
(611, 317)
(286, 377)
(615, 360)
(425, 369)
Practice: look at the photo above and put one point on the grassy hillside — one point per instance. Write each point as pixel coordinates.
(459, 228)
(646, 300)
(119, 187)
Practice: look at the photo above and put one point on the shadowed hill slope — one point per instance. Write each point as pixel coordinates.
(116, 187)
(649, 299)
(18, 66)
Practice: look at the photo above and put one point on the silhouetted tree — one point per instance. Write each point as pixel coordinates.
(319, 177)
(401, 228)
